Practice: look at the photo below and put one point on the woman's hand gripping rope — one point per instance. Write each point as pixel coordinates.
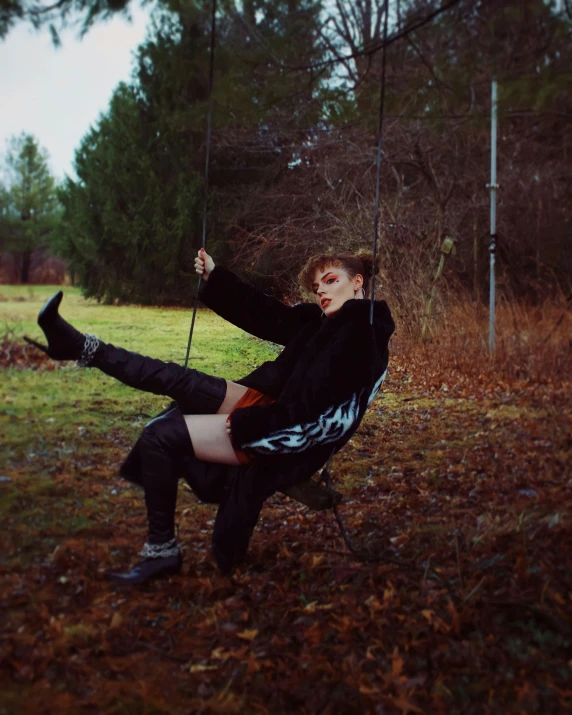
(204, 264)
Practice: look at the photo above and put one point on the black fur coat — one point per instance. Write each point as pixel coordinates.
(323, 381)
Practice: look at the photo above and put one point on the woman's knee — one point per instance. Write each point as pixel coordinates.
(168, 433)
(204, 394)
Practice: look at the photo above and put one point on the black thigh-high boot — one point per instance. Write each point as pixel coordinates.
(163, 442)
(194, 391)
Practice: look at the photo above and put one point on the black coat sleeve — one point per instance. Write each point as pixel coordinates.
(252, 310)
(328, 407)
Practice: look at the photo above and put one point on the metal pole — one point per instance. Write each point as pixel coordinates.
(493, 187)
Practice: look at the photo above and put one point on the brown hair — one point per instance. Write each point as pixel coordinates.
(352, 263)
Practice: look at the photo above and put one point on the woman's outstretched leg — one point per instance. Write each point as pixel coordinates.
(163, 442)
(194, 391)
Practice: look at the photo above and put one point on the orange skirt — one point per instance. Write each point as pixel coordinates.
(250, 398)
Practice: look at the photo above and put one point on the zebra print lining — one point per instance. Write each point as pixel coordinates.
(329, 427)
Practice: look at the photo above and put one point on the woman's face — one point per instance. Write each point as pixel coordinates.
(332, 287)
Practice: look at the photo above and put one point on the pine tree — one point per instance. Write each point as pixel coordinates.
(30, 205)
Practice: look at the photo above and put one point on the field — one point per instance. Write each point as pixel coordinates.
(457, 486)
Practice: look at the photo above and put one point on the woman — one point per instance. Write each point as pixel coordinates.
(237, 443)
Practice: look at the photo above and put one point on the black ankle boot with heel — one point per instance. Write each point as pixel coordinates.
(164, 440)
(64, 341)
(158, 560)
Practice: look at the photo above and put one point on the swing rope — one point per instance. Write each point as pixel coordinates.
(207, 161)
(378, 162)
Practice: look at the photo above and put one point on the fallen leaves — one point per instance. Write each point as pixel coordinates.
(248, 635)
(470, 487)
(116, 621)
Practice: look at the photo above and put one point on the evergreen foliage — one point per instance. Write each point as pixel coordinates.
(29, 210)
(132, 219)
(129, 218)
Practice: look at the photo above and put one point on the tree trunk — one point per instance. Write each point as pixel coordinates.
(26, 261)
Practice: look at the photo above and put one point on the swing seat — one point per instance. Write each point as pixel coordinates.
(313, 495)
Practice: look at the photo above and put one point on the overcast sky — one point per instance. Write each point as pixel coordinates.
(56, 94)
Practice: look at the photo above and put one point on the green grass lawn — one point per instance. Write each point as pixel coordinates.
(40, 406)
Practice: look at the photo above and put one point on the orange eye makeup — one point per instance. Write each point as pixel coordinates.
(328, 279)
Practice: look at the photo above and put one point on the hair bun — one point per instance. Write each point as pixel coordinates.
(371, 267)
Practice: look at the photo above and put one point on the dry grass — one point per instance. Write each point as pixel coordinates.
(532, 343)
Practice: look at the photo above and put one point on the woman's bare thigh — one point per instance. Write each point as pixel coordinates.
(233, 394)
(210, 439)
